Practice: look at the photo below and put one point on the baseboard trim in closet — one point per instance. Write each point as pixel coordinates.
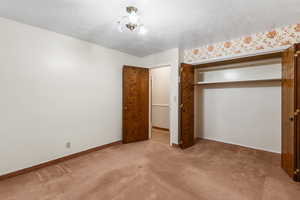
(175, 145)
(56, 161)
(159, 128)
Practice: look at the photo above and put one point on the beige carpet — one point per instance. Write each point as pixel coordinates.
(153, 170)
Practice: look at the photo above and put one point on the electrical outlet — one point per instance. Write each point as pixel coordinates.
(68, 145)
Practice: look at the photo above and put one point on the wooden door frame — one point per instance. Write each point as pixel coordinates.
(150, 104)
(150, 100)
(252, 58)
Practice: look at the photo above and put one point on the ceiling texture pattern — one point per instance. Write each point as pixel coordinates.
(170, 23)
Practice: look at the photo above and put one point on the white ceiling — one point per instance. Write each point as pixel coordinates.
(171, 23)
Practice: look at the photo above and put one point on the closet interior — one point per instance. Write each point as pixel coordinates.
(251, 101)
(240, 103)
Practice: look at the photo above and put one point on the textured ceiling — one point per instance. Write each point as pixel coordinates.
(171, 23)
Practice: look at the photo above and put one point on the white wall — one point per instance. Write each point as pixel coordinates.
(55, 89)
(247, 114)
(168, 58)
(161, 96)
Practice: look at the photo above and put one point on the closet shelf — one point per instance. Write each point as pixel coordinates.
(238, 81)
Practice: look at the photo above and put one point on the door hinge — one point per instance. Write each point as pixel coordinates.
(181, 106)
(297, 112)
(297, 172)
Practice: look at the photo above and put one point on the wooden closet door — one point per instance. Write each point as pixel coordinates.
(297, 136)
(186, 106)
(290, 112)
(135, 104)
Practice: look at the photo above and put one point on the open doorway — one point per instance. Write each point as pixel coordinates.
(159, 104)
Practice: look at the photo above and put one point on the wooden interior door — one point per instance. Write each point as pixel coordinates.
(297, 61)
(186, 106)
(135, 104)
(290, 112)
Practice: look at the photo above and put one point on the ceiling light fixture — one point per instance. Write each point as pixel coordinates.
(131, 22)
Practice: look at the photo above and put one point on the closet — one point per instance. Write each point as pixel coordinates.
(251, 101)
(240, 104)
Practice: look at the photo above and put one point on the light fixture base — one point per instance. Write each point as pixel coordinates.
(131, 9)
(131, 21)
(131, 27)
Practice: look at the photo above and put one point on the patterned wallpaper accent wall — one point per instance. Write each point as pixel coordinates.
(276, 38)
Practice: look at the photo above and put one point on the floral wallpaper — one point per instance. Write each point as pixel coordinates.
(276, 38)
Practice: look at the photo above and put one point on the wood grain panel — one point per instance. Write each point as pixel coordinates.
(297, 62)
(187, 106)
(288, 109)
(135, 104)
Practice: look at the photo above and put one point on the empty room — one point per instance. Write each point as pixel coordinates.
(149, 99)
